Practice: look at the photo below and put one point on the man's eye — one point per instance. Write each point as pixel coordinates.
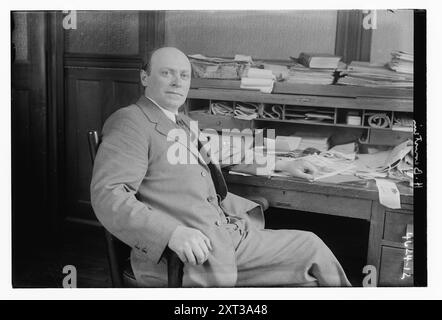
(185, 76)
(165, 73)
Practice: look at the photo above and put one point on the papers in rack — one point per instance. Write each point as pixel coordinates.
(361, 73)
(244, 58)
(280, 72)
(218, 68)
(319, 60)
(246, 111)
(402, 123)
(258, 79)
(299, 74)
(220, 108)
(401, 62)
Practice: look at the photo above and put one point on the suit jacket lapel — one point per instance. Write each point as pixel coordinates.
(164, 125)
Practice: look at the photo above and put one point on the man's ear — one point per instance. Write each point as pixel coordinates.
(144, 78)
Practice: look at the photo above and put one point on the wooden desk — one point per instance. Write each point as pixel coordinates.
(386, 247)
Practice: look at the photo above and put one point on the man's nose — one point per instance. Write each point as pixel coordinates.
(176, 81)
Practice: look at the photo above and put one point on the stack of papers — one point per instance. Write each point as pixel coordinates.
(361, 73)
(403, 123)
(309, 114)
(401, 62)
(328, 165)
(280, 72)
(220, 108)
(319, 60)
(217, 68)
(258, 79)
(396, 163)
(300, 74)
(246, 111)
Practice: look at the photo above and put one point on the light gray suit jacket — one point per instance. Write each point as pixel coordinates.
(140, 197)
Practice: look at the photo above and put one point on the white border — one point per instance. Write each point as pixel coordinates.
(434, 214)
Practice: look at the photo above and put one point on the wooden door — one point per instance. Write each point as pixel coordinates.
(31, 221)
(103, 56)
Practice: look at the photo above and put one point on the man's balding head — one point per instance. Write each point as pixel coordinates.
(147, 65)
(166, 77)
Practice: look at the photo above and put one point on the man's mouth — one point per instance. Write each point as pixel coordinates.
(175, 93)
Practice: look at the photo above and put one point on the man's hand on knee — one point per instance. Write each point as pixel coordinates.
(190, 244)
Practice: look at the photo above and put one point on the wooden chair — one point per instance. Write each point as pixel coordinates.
(118, 252)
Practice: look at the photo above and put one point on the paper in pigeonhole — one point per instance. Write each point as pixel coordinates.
(389, 195)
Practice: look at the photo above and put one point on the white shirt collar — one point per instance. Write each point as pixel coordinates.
(171, 115)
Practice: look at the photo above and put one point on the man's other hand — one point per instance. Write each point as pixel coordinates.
(297, 168)
(190, 244)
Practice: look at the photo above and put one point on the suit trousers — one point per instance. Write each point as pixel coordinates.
(271, 258)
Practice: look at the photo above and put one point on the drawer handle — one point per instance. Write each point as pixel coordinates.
(303, 100)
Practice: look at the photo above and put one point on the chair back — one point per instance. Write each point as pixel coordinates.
(117, 250)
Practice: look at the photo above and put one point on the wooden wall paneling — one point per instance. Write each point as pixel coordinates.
(29, 76)
(55, 78)
(97, 85)
(124, 93)
(84, 97)
(93, 94)
(78, 60)
(152, 30)
(353, 42)
(21, 155)
(31, 221)
(104, 32)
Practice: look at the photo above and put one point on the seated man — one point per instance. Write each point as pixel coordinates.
(151, 204)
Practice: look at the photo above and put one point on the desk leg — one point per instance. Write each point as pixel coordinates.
(375, 237)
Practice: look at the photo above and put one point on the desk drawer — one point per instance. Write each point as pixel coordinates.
(397, 225)
(308, 202)
(394, 270)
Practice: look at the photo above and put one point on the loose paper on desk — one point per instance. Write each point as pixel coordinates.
(260, 74)
(389, 195)
(398, 153)
(286, 143)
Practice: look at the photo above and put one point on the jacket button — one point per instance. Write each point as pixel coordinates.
(210, 198)
(203, 173)
(217, 223)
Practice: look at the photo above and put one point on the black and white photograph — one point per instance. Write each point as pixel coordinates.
(218, 148)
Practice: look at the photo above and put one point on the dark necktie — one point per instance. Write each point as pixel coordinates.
(215, 171)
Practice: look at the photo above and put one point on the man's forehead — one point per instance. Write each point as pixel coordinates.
(172, 59)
